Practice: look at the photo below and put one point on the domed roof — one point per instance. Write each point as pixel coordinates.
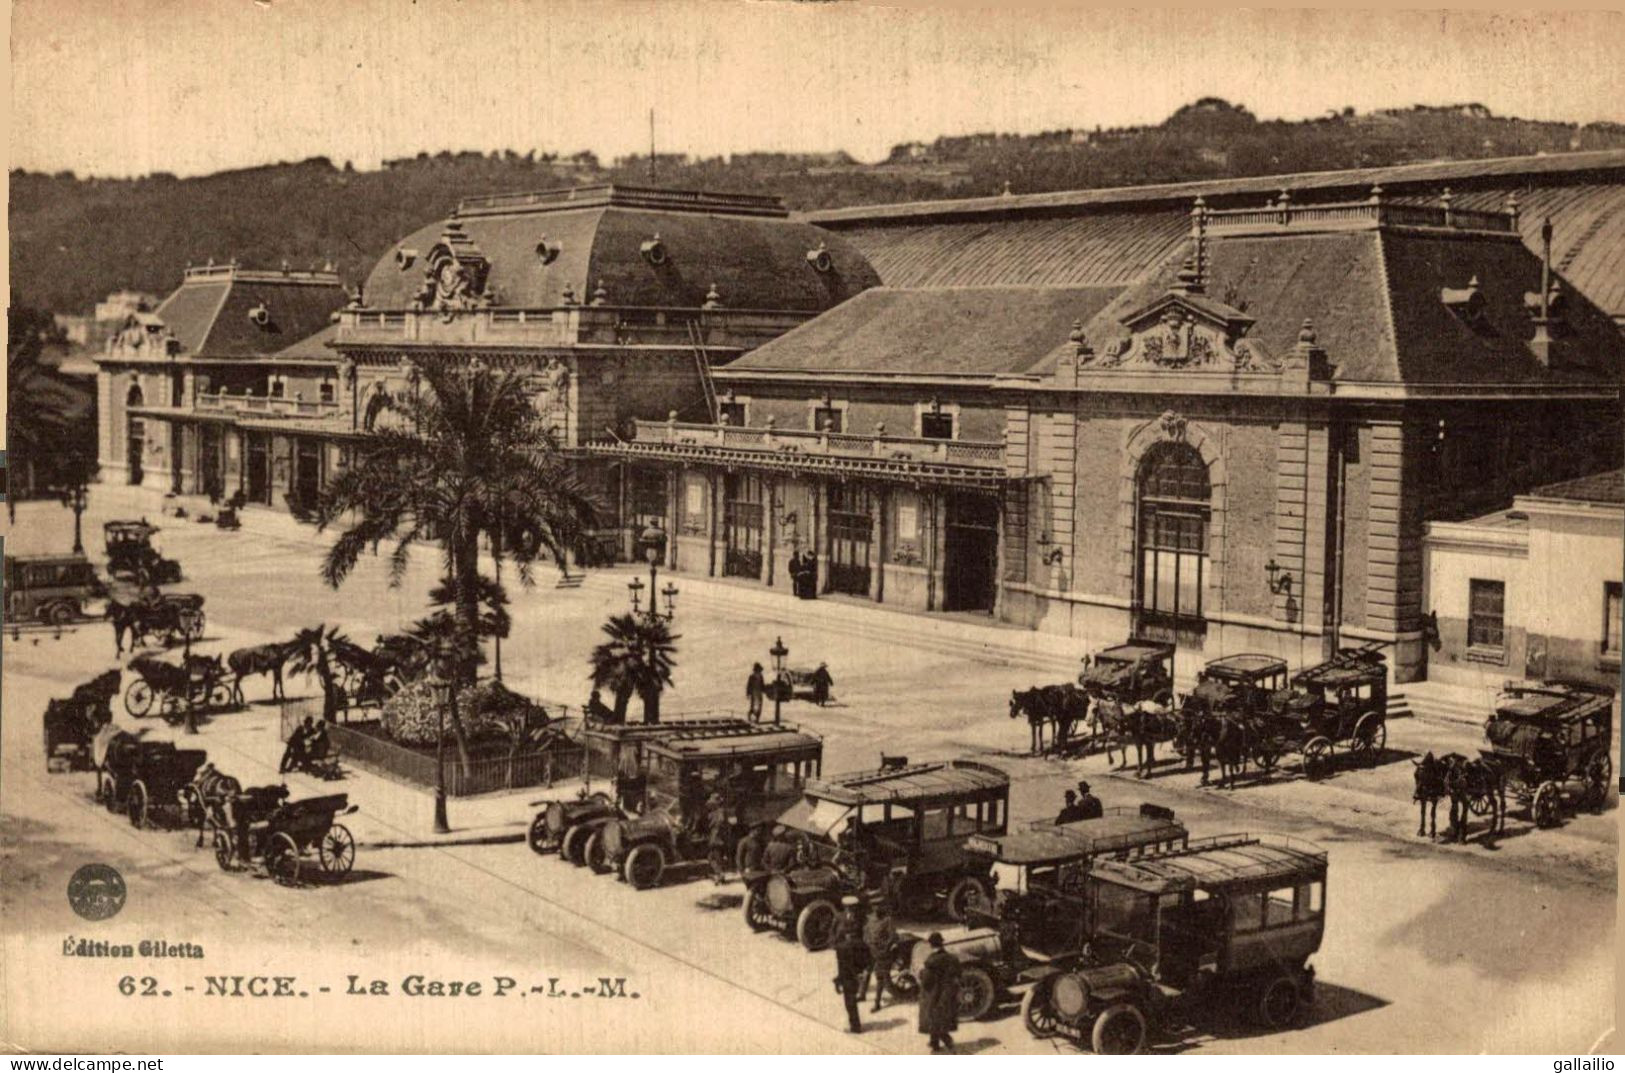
(642, 247)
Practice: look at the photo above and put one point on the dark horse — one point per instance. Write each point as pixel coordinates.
(1144, 723)
(1064, 705)
(1470, 781)
(1431, 786)
(1210, 736)
(262, 659)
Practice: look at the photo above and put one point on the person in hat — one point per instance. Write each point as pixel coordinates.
(755, 691)
(822, 682)
(880, 935)
(1089, 806)
(1069, 812)
(851, 959)
(939, 995)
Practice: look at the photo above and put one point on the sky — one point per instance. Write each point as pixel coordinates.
(197, 86)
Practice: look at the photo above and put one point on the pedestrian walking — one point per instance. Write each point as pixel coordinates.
(880, 936)
(939, 995)
(755, 692)
(851, 959)
(821, 684)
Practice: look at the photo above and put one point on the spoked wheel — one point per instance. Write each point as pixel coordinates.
(136, 806)
(1119, 1030)
(138, 698)
(170, 708)
(221, 696)
(645, 865)
(757, 913)
(976, 993)
(905, 987)
(282, 859)
(336, 851)
(222, 849)
(1317, 757)
(968, 892)
(537, 836)
(1037, 1013)
(1547, 808)
(1370, 737)
(1599, 780)
(108, 783)
(1280, 1003)
(815, 925)
(1267, 754)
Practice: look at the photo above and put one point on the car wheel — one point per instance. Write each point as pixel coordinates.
(593, 853)
(815, 925)
(757, 914)
(1036, 1012)
(976, 993)
(62, 614)
(1280, 1003)
(572, 845)
(645, 865)
(1119, 1030)
(968, 892)
(536, 837)
(136, 807)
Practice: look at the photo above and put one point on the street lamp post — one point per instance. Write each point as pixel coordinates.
(653, 541)
(778, 652)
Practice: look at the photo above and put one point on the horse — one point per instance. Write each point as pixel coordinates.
(205, 797)
(1430, 787)
(262, 659)
(1471, 780)
(1214, 736)
(1064, 705)
(1148, 722)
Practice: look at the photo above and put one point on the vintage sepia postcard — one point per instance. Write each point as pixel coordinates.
(811, 529)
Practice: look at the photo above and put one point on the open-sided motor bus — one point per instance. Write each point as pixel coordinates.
(1040, 875)
(1230, 918)
(753, 773)
(902, 832)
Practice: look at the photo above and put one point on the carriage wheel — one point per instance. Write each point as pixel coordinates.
(1481, 804)
(136, 807)
(220, 696)
(282, 859)
(336, 850)
(170, 708)
(138, 698)
(1267, 753)
(976, 993)
(1370, 737)
(222, 849)
(1317, 757)
(1599, 780)
(1547, 807)
(1036, 1012)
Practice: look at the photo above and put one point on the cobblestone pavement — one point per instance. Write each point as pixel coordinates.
(1422, 937)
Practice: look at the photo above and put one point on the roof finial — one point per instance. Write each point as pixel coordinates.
(1376, 193)
(713, 299)
(1306, 334)
(1006, 191)
(1512, 208)
(600, 294)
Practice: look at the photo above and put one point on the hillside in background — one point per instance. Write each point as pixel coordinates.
(75, 240)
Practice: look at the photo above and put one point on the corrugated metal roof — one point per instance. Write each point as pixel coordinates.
(1215, 862)
(912, 783)
(1047, 843)
(752, 742)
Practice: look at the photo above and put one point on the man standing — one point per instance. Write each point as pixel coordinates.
(1089, 806)
(755, 691)
(851, 960)
(939, 995)
(821, 685)
(751, 849)
(880, 936)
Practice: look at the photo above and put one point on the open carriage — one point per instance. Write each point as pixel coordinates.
(175, 617)
(282, 835)
(142, 779)
(1550, 743)
(196, 684)
(1339, 704)
(71, 723)
(131, 556)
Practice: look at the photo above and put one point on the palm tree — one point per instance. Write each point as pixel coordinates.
(638, 658)
(467, 458)
(314, 653)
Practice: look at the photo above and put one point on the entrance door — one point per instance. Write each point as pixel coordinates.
(177, 457)
(971, 564)
(742, 525)
(211, 470)
(135, 449)
(851, 528)
(307, 471)
(257, 460)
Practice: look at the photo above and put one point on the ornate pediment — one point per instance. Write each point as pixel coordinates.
(454, 275)
(142, 335)
(1186, 329)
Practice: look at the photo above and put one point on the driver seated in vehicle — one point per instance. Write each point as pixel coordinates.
(250, 810)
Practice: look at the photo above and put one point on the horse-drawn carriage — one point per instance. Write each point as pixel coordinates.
(1550, 743)
(142, 778)
(1226, 716)
(197, 684)
(280, 834)
(1341, 703)
(71, 723)
(131, 556)
(177, 617)
(366, 677)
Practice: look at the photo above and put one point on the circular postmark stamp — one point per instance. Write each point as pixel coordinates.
(96, 891)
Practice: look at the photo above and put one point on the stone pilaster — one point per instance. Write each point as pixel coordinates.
(1394, 544)
(1060, 449)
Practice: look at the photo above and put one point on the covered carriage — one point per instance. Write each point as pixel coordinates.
(1339, 704)
(131, 556)
(71, 723)
(143, 779)
(1551, 744)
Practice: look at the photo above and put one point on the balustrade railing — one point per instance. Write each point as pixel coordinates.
(848, 444)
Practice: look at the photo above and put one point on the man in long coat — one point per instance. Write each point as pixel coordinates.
(851, 960)
(939, 995)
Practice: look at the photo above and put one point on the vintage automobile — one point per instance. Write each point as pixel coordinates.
(904, 826)
(1230, 919)
(1131, 672)
(1034, 917)
(613, 752)
(131, 556)
(753, 773)
(71, 723)
(52, 590)
(1341, 702)
(1547, 738)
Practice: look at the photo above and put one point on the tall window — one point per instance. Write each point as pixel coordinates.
(325, 391)
(731, 413)
(1486, 613)
(936, 426)
(1610, 622)
(1174, 512)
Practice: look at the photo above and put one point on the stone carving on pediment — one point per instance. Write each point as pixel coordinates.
(1180, 340)
(1172, 423)
(454, 277)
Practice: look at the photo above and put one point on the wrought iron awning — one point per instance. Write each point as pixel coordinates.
(898, 470)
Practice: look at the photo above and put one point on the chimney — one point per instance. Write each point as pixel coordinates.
(1545, 307)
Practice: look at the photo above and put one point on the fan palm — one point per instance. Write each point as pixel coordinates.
(313, 652)
(639, 658)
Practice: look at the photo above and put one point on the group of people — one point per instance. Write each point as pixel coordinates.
(1080, 805)
(804, 574)
(868, 950)
(757, 689)
(307, 743)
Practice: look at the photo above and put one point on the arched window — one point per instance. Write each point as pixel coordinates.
(376, 405)
(1173, 520)
(134, 397)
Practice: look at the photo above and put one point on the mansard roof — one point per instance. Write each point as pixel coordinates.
(212, 314)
